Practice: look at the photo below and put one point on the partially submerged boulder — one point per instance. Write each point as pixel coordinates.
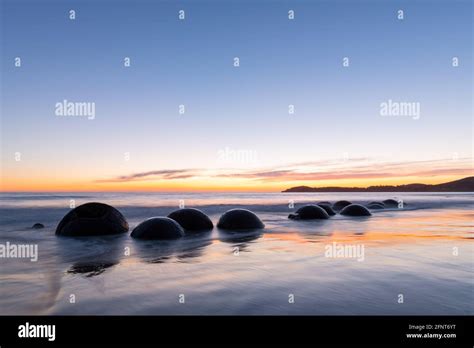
(192, 219)
(376, 202)
(375, 206)
(92, 219)
(239, 219)
(340, 204)
(355, 210)
(309, 212)
(158, 228)
(327, 208)
(37, 226)
(391, 203)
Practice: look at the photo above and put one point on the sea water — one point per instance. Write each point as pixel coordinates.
(415, 260)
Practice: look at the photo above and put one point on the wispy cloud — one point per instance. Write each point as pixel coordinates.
(168, 174)
(359, 168)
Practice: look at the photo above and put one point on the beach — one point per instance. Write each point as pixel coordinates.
(423, 252)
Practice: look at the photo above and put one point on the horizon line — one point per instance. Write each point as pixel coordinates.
(226, 190)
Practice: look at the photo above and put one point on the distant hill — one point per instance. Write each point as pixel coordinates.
(462, 185)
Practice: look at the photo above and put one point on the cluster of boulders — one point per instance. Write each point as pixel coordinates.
(92, 219)
(324, 210)
(102, 219)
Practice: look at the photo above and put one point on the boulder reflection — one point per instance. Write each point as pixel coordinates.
(188, 249)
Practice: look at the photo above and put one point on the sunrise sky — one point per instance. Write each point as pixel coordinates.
(236, 133)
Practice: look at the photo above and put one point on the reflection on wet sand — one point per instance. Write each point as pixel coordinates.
(90, 269)
(194, 251)
(183, 250)
(380, 231)
(241, 239)
(91, 256)
(313, 237)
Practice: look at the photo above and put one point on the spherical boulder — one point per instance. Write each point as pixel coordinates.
(327, 208)
(309, 212)
(37, 226)
(158, 228)
(239, 219)
(340, 204)
(355, 210)
(192, 219)
(391, 203)
(375, 206)
(92, 219)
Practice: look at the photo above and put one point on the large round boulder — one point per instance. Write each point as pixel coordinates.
(92, 219)
(355, 210)
(239, 219)
(327, 208)
(192, 219)
(158, 228)
(391, 203)
(340, 204)
(309, 212)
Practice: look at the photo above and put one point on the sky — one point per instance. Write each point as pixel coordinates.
(236, 133)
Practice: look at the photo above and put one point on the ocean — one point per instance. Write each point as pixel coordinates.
(412, 261)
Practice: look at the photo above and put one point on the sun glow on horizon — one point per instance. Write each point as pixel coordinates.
(323, 173)
(208, 185)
